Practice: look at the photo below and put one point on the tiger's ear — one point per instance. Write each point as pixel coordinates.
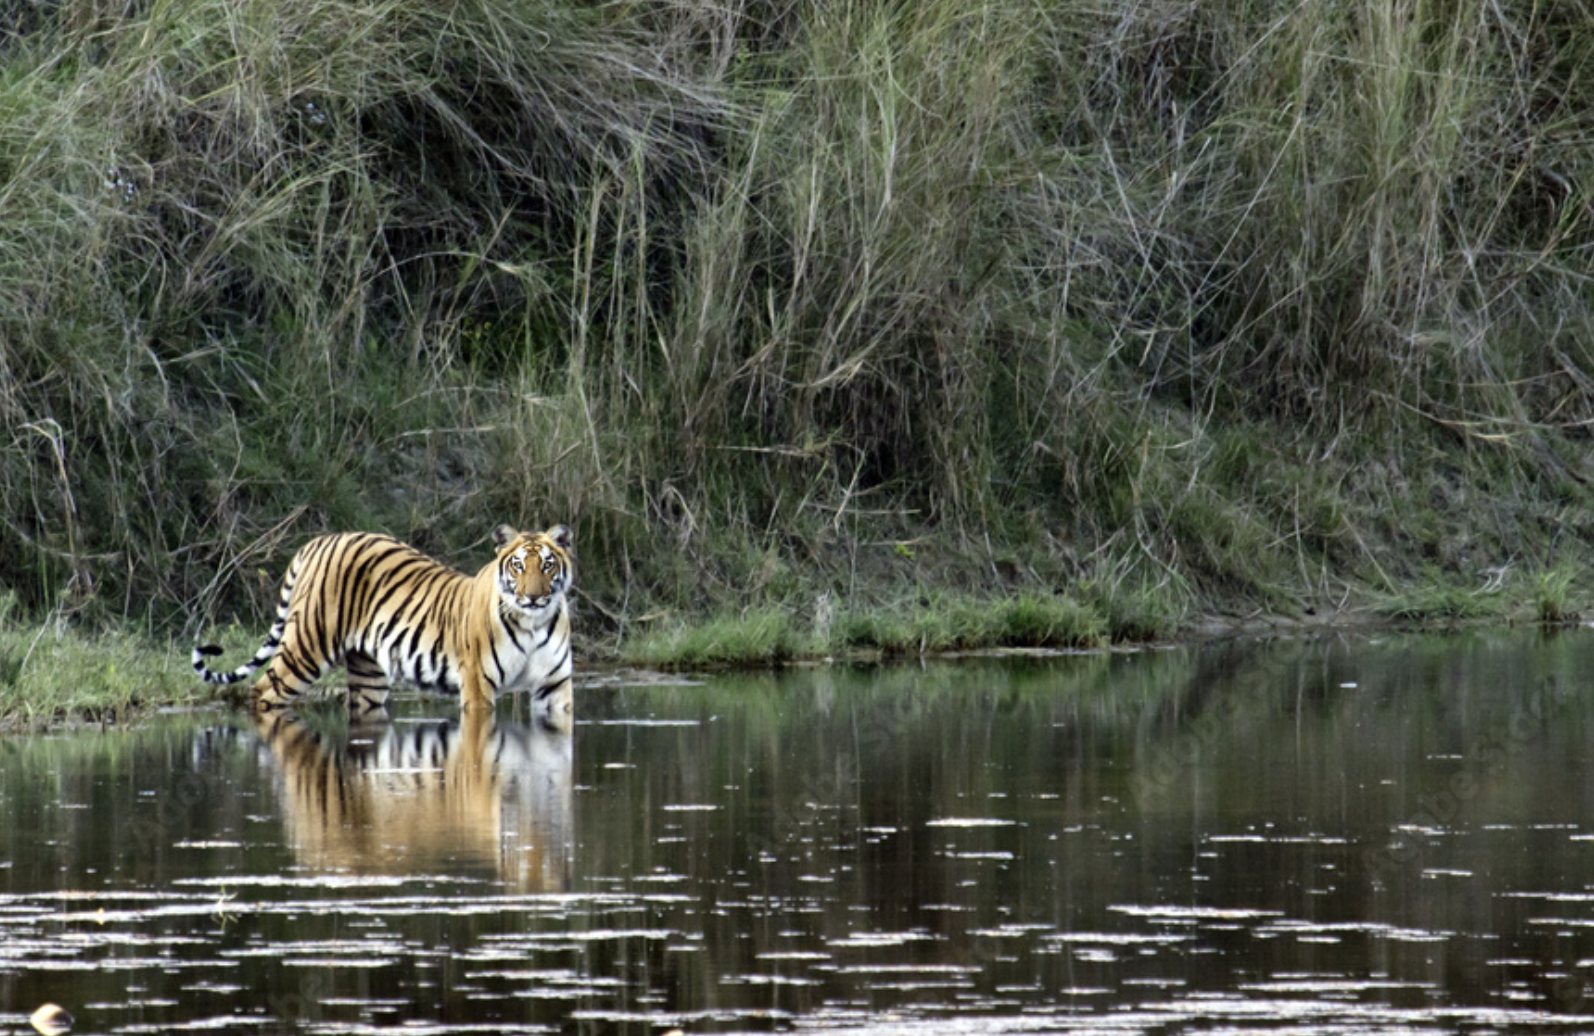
(562, 536)
(503, 536)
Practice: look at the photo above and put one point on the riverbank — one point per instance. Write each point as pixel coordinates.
(52, 675)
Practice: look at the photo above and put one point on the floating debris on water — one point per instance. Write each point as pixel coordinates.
(51, 1019)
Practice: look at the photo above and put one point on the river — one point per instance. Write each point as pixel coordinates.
(1334, 834)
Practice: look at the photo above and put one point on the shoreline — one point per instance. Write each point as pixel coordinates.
(74, 683)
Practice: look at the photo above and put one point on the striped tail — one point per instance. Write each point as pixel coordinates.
(267, 650)
(244, 671)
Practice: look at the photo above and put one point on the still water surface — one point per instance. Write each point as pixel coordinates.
(1337, 835)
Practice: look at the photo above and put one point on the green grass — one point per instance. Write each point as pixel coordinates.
(947, 623)
(1440, 601)
(1555, 594)
(51, 674)
(756, 637)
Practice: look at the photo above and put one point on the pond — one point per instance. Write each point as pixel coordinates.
(1341, 834)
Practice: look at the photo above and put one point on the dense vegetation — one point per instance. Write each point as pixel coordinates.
(827, 313)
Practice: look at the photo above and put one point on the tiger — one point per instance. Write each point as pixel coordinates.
(411, 797)
(385, 611)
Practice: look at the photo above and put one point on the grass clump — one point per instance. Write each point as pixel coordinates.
(50, 675)
(954, 623)
(1553, 599)
(1031, 620)
(888, 631)
(944, 624)
(1441, 601)
(756, 637)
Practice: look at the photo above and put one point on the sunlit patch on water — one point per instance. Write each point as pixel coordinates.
(644, 722)
(1179, 914)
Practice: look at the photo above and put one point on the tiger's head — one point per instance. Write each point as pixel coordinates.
(534, 568)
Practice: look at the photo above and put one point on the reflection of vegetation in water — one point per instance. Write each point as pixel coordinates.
(126, 800)
(1302, 733)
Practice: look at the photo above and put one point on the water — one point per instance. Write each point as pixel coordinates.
(1339, 835)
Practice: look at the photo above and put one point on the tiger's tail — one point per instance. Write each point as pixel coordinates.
(267, 650)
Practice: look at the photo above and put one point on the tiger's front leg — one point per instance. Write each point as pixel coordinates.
(474, 690)
(554, 706)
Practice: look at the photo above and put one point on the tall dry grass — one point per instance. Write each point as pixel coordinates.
(1240, 299)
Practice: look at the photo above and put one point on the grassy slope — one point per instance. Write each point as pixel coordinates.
(838, 324)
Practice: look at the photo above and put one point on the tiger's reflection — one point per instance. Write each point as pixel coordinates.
(426, 798)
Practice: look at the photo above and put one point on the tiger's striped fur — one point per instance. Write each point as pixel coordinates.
(385, 611)
(413, 797)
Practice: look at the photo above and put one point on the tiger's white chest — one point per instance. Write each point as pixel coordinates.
(529, 652)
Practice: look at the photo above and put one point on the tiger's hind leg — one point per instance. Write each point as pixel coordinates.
(278, 687)
(368, 689)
